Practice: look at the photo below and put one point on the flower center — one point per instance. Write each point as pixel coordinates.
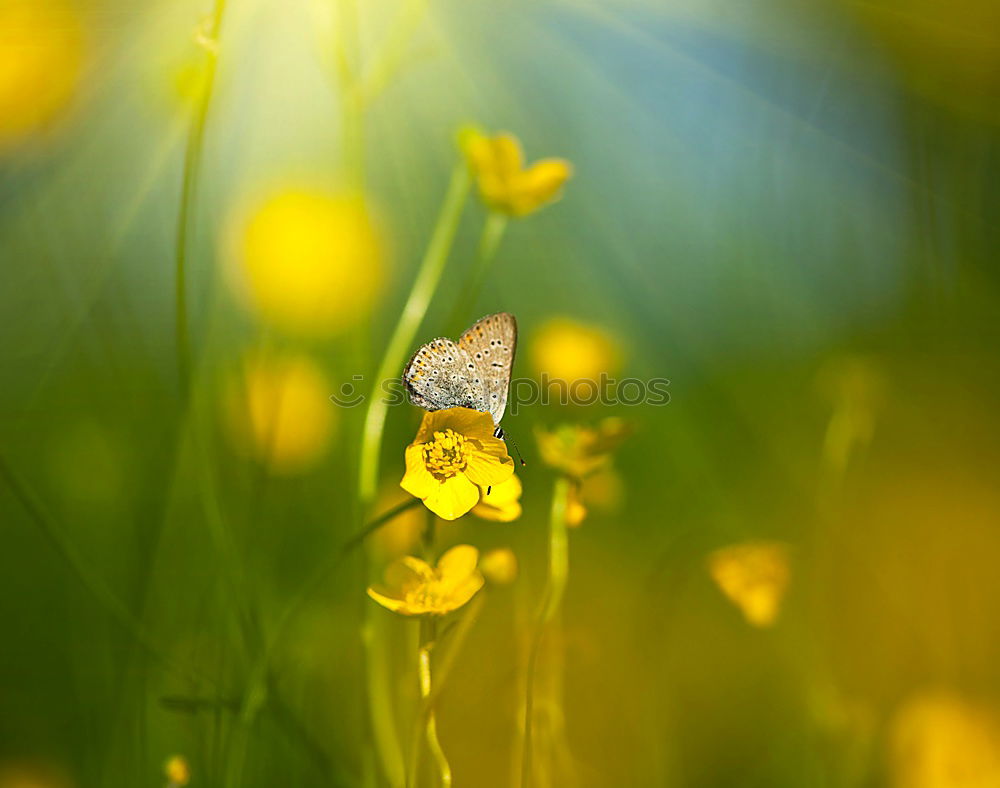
(428, 595)
(447, 454)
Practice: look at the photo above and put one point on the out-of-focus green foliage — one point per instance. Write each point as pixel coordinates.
(785, 576)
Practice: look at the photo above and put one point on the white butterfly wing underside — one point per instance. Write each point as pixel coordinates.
(471, 373)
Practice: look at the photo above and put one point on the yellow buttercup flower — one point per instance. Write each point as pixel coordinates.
(279, 412)
(502, 503)
(177, 771)
(308, 262)
(579, 451)
(413, 588)
(567, 350)
(499, 566)
(505, 183)
(453, 455)
(754, 576)
(41, 62)
(940, 740)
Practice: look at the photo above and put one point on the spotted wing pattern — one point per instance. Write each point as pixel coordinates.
(490, 344)
(472, 373)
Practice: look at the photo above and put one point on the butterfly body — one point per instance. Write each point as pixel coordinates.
(473, 372)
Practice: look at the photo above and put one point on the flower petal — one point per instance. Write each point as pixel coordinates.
(417, 481)
(504, 513)
(428, 424)
(471, 423)
(463, 592)
(545, 178)
(452, 498)
(407, 572)
(502, 503)
(487, 469)
(507, 156)
(388, 601)
(505, 492)
(458, 563)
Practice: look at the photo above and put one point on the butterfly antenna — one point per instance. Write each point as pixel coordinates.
(503, 435)
(518, 451)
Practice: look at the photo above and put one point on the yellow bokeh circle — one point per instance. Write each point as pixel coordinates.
(564, 349)
(279, 412)
(41, 62)
(308, 262)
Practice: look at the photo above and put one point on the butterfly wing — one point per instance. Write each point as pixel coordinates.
(440, 375)
(490, 344)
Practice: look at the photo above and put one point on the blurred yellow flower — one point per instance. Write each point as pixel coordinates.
(413, 588)
(41, 62)
(307, 262)
(566, 350)
(579, 451)
(754, 576)
(454, 454)
(279, 412)
(940, 740)
(177, 771)
(502, 503)
(505, 183)
(499, 566)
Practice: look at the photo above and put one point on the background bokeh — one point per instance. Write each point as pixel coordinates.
(787, 209)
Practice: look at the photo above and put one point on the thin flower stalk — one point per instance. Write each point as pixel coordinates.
(192, 166)
(444, 665)
(558, 576)
(392, 52)
(428, 277)
(486, 250)
(426, 720)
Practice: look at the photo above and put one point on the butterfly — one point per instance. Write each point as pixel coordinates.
(471, 373)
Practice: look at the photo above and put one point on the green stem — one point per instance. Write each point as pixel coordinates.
(428, 276)
(392, 50)
(351, 99)
(486, 250)
(448, 660)
(426, 719)
(551, 600)
(192, 164)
